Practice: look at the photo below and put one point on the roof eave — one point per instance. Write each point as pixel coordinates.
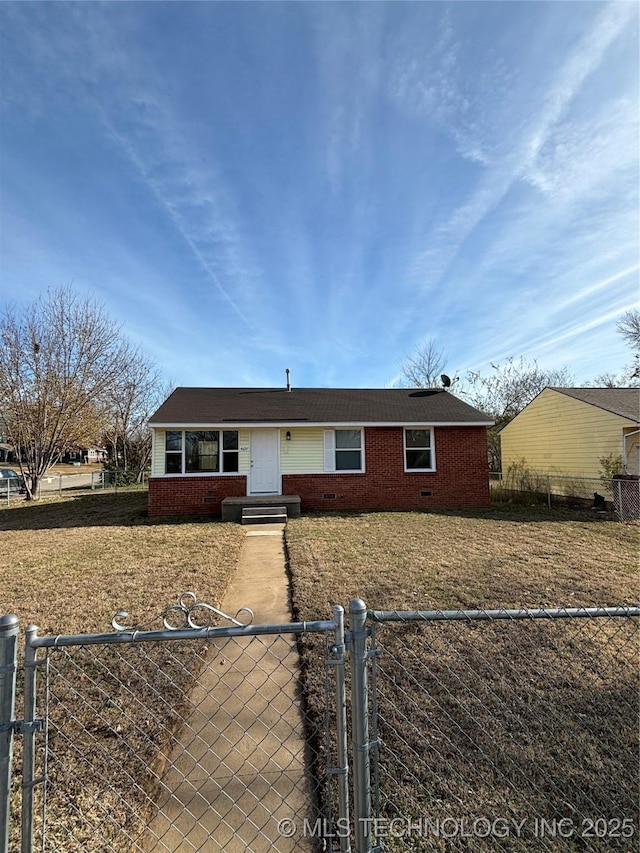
(297, 423)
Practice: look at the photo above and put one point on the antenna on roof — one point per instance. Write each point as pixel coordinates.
(288, 382)
(446, 382)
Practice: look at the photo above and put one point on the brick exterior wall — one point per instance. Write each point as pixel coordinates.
(461, 479)
(193, 495)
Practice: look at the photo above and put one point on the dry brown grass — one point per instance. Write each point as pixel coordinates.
(538, 698)
(68, 565)
(489, 721)
(514, 557)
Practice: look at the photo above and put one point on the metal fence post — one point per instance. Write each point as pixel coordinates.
(360, 726)
(620, 502)
(341, 733)
(9, 627)
(28, 756)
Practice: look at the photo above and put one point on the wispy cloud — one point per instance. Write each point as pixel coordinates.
(598, 286)
(192, 199)
(523, 153)
(322, 186)
(140, 120)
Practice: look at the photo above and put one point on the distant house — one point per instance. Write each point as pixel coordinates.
(7, 453)
(7, 450)
(85, 455)
(337, 449)
(566, 431)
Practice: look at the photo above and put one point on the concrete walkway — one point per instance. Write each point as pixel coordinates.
(238, 766)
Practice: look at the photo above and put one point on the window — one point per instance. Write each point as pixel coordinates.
(230, 450)
(343, 450)
(201, 452)
(418, 450)
(348, 457)
(173, 452)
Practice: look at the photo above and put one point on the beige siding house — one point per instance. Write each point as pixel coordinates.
(566, 431)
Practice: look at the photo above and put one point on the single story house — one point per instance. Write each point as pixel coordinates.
(566, 431)
(337, 449)
(85, 455)
(7, 453)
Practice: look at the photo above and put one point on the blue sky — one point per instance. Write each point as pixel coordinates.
(323, 186)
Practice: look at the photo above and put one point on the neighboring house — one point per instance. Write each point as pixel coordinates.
(85, 455)
(338, 449)
(7, 450)
(566, 431)
(7, 453)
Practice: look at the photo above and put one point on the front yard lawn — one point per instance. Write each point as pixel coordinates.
(69, 564)
(487, 728)
(527, 721)
(512, 557)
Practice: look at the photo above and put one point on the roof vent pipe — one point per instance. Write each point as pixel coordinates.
(288, 382)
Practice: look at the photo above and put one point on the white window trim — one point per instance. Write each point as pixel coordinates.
(432, 448)
(183, 454)
(173, 453)
(330, 452)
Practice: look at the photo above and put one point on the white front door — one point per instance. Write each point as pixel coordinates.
(265, 468)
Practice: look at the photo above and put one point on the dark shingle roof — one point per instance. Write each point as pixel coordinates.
(620, 401)
(193, 406)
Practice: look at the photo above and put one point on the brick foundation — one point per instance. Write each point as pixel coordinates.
(461, 480)
(192, 495)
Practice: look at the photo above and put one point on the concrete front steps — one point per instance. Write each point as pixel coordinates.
(264, 515)
(261, 509)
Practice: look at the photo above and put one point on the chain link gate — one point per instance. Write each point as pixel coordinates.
(468, 731)
(192, 738)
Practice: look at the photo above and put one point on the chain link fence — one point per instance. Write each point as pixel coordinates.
(619, 495)
(495, 732)
(165, 747)
(12, 489)
(468, 731)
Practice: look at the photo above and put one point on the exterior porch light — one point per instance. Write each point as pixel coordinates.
(288, 435)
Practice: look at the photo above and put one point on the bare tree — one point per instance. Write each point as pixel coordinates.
(138, 391)
(424, 368)
(629, 327)
(505, 391)
(60, 357)
(607, 380)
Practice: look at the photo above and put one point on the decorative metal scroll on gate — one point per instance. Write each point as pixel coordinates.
(188, 613)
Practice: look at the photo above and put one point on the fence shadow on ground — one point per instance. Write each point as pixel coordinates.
(113, 509)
